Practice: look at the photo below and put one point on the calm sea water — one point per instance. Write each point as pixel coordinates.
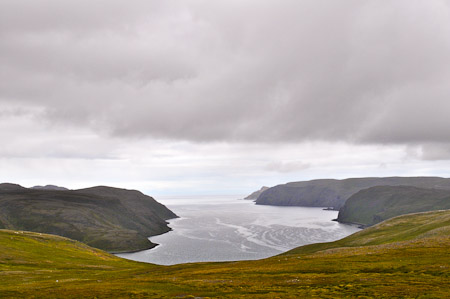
(228, 229)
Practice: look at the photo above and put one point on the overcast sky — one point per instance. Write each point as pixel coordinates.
(222, 97)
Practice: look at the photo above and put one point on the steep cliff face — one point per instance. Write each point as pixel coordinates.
(107, 218)
(334, 193)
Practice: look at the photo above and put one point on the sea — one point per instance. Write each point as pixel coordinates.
(226, 228)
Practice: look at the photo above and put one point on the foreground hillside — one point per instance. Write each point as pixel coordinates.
(404, 257)
(108, 218)
(376, 204)
(334, 193)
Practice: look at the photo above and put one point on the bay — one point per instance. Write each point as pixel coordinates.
(229, 229)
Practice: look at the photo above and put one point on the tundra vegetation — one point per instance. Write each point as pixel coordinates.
(404, 257)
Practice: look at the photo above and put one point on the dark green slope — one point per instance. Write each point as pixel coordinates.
(108, 218)
(404, 257)
(134, 200)
(334, 193)
(373, 205)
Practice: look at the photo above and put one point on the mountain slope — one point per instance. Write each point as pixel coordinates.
(404, 257)
(334, 193)
(404, 228)
(107, 218)
(373, 205)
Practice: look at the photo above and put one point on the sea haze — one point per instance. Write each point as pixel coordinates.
(228, 229)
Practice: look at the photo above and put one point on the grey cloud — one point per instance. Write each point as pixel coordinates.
(292, 166)
(75, 18)
(24, 137)
(354, 71)
(435, 151)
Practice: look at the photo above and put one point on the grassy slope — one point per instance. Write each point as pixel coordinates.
(406, 256)
(108, 218)
(376, 204)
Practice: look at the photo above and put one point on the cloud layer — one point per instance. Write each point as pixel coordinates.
(200, 96)
(355, 71)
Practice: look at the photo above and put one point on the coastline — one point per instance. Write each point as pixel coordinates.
(152, 245)
(359, 225)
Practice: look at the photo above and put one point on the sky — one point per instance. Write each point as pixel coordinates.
(201, 97)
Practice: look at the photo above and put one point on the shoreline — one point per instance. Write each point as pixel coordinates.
(359, 225)
(152, 246)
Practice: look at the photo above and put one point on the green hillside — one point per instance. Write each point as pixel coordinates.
(373, 205)
(334, 193)
(404, 257)
(108, 218)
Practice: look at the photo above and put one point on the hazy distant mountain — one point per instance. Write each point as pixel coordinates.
(334, 193)
(255, 194)
(104, 217)
(49, 187)
(376, 204)
(10, 187)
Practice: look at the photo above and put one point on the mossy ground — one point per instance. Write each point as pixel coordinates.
(406, 257)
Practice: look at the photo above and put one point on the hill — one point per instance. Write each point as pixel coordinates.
(255, 194)
(334, 193)
(49, 187)
(404, 257)
(108, 218)
(373, 205)
(10, 187)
